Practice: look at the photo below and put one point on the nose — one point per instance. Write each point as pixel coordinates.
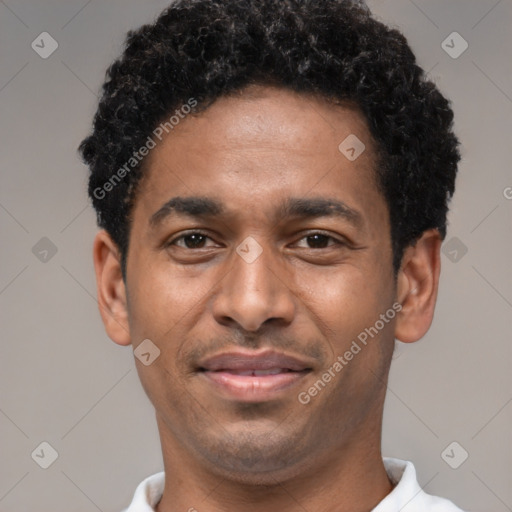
(253, 293)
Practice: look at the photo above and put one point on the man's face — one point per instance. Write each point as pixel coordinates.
(258, 272)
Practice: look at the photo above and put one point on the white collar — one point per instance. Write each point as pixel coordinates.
(407, 496)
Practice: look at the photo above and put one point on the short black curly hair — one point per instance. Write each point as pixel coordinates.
(206, 49)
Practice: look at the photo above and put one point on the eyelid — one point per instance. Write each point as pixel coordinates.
(339, 240)
(183, 234)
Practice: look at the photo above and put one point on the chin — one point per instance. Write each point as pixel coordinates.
(256, 457)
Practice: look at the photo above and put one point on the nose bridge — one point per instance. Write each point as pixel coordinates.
(252, 291)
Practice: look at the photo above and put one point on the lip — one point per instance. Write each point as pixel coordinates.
(250, 360)
(253, 376)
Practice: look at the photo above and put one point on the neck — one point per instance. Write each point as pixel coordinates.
(351, 478)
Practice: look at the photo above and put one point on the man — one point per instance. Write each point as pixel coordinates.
(272, 180)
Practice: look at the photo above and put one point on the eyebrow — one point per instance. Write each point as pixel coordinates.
(320, 207)
(191, 206)
(291, 208)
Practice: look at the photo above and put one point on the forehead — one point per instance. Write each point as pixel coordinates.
(256, 145)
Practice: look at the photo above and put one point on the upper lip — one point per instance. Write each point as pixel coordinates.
(245, 361)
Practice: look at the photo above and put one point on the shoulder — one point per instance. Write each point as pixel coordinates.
(147, 494)
(407, 495)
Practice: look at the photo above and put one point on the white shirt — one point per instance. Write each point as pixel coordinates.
(407, 495)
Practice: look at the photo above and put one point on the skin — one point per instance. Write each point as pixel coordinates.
(310, 297)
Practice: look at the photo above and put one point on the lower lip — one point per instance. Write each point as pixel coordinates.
(248, 388)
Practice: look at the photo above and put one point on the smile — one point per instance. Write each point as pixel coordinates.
(251, 377)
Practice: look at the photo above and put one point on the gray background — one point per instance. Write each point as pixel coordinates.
(64, 382)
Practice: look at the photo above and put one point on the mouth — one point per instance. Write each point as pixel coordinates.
(253, 377)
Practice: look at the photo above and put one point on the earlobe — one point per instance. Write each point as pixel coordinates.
(417, 287)
(111, 288)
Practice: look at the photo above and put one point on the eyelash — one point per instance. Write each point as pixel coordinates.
(199, 232)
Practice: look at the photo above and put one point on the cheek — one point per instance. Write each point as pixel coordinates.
(163, 298)
(346, 304)
(345, 298)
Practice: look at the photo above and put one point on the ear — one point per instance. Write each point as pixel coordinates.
(111, 288)
(417, 286)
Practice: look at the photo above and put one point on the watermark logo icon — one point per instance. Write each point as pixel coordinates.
(146, 352)
(44, 455)
(454, 45)
(454, 455)
(44, 250)
(249, 250)
(454, 249)
(44, 45)
(352, 147)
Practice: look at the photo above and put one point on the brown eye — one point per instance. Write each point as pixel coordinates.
(318, 241)
(194, 240)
